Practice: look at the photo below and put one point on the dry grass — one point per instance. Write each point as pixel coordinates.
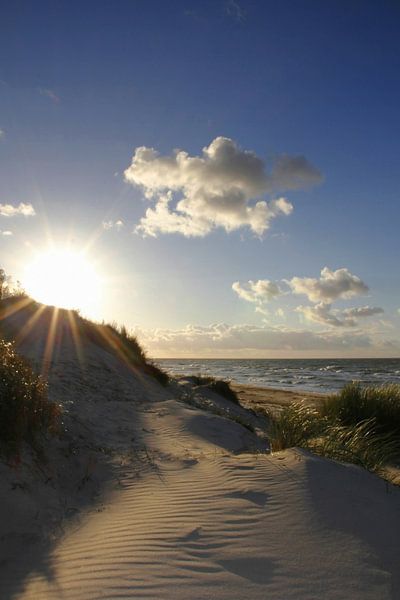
(25, 411)
(358, 425)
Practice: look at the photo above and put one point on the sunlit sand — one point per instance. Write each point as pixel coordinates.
(151, 496)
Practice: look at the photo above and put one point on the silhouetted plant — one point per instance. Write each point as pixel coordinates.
(25, 411)
(219, 386)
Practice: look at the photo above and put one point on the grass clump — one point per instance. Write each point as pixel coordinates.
(25, 411)
(219, 386)
(361, 444)
(356, 403)
(359, 425)
(295, 425)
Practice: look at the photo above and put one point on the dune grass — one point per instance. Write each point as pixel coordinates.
(111, 336)
(25, 410)
(219, 386)
(359, 425)
(295, 425)
(356, 403)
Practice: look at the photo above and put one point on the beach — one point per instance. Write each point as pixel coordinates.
(171, 493)
(260, 398)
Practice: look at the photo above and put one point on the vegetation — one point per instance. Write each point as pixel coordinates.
(117, 339)
(356, 403)
(219, 386)
(295, 425)
(10, 288)
(359, 425)
(25, 411)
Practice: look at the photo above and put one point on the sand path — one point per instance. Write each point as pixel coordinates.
(204, 522)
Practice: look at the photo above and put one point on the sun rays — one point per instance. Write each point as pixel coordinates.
(51, 330)
(63, 278)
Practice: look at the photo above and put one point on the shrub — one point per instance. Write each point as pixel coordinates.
(25, 411)
(355, 404)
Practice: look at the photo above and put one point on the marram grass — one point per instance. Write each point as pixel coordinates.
(359, 425)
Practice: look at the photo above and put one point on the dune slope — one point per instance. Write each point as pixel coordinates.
(195, 507)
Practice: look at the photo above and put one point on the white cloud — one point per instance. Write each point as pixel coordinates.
(6, 233)
(323, 313)
(331, 286)
(224, 187)
(220, 338)
(113, 225)
(8, 210)
(363, 311)
(260, 291)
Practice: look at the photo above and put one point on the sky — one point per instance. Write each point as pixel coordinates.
(228, 167)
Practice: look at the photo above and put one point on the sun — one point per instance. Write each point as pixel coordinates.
(64, 278)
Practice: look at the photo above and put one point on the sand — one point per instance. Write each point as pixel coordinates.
(274, 399)
(157, 494)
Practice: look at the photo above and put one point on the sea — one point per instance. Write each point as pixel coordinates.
(314, 375)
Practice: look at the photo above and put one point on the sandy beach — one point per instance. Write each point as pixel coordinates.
(255, 398)
(165, 493)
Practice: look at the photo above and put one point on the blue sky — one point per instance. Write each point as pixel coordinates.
(83, 85)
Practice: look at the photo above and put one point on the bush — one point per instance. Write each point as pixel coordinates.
(355, 404)
(25, 411)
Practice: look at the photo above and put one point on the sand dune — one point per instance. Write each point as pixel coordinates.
(188, 504)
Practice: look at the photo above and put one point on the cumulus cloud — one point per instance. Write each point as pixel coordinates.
(323, 313)
(259, 291)
(113, 225)
(192, 340)
(224, 187)
(8, 210)
(331, 286)
(363, 311)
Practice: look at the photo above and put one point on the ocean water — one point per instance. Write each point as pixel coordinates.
(315, 375)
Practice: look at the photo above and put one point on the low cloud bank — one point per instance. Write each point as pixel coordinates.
(219, 338)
